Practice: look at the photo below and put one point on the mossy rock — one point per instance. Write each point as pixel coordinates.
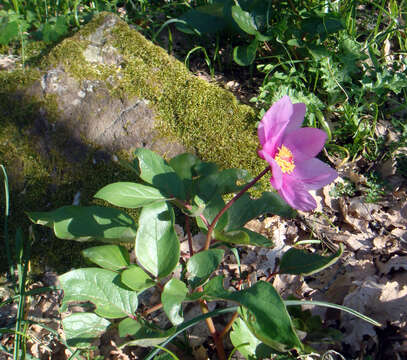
(47, 144)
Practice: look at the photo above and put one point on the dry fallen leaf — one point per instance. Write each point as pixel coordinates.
(395, 263)
(382, 300)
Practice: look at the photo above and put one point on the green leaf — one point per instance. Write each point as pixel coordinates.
(188, 324)
(165, 356)
(173, 295)
(184, 165)
(245, 55)
(300, 262)
(81, 329)
(244, 19)
(241, 334)
(196, 209)
(257, 239)
(154, 170)
(130, 195)
(143, 333)
(110, 257)
(318, 52)
(206, 19)
(223, 182)
(233, 237)
(100, 287)
(157, 244)
(8, 32)
(53, 32)
(246, 209)
(136, 279)
(205, 168)
(322, 25)
(210, 211)
(243, 236)
(87, 223)
(201, 265)
(267, 318)
(247, 344)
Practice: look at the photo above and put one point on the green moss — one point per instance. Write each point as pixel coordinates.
(205, 118)
(41, 180)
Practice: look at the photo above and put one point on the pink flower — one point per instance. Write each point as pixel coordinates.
(290, 150)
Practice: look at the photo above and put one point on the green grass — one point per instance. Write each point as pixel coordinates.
(346, 60)
(17, 282)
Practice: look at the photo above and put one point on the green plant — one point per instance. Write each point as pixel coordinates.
(334, 57)
(47, 21)
(375, 188)
(113, 286)
(343, 189)
(18, 293)
(257, 22)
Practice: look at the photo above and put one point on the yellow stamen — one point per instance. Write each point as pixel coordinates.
(285, 160)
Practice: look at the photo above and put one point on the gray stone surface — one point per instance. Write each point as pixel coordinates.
(93, 117)
(89, 116)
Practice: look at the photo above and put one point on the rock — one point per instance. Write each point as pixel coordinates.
(87, 110)
(93, 99)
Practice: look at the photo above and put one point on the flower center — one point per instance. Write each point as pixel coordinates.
(285, 160)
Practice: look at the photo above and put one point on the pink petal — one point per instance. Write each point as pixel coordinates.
(274, 122)
(297, 117)
(276, 179)
(296, 195)
(305, 143)
(314, 174)
(260, 153)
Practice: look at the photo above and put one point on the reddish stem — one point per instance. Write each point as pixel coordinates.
(271, 276)
(211, 326)
(229, 204)
(204, 220)
(228, 325)
(152, 309)
(188, 229)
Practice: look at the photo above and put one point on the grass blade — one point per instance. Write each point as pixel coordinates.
(333, 306)
(6, 215)
(186, 325)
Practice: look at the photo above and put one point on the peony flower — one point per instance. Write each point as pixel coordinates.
(290, 150)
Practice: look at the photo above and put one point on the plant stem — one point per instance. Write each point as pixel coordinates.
(186, 325)
(228, 325)
(229, 204)
(188, 230)
(218, 337)
(211, 326)
(271, 276)
(152, 309)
